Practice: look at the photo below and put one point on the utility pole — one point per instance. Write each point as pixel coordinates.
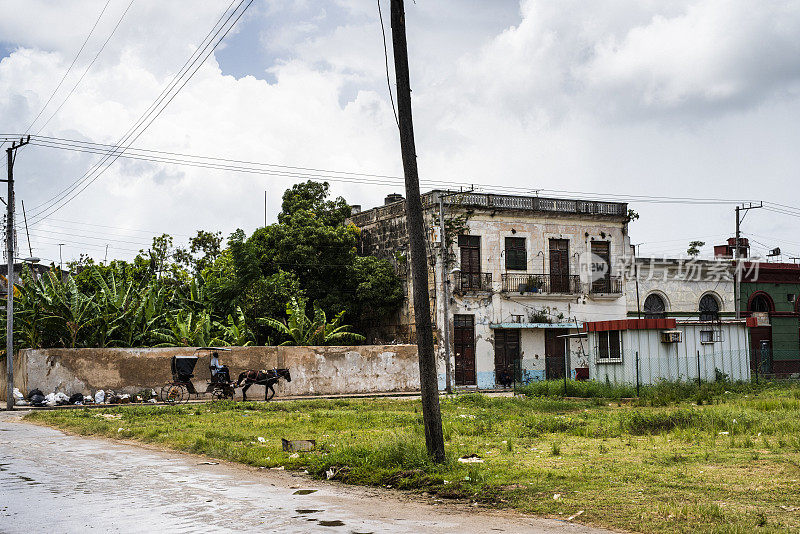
(27, 233)
(431, 411)
(265, 209)
(737, 278)
(105, 258)
(60, 262)
(10, 154)
(448, 386)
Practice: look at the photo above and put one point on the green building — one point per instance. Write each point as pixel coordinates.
(769, 294)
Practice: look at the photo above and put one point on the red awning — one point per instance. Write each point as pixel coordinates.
(630, 324)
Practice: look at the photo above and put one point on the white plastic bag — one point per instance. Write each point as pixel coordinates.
(50, 399)
(100, 397)
(18, 394)
(61, 398)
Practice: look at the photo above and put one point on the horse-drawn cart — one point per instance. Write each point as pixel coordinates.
(180, 389)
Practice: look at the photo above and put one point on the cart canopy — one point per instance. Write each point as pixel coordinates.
(183, 367)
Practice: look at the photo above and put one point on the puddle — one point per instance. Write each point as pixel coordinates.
(303, 492)
(308, 511)
(334, 523)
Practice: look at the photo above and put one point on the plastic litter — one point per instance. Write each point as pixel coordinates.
(471, 459)
(50, 399)
(100, 397)
(18, 394)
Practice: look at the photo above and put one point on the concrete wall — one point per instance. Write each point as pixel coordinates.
(315, 370)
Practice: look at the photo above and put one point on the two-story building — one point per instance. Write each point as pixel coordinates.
(522, 274)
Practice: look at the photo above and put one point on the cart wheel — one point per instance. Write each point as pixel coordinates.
(175, 394)
(220, 394)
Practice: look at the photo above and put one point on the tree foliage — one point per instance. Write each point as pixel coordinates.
(281, 283)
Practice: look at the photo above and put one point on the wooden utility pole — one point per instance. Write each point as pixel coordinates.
(10, 153)
(431, 413)
(737, 261)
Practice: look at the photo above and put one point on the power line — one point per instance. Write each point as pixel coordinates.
(161, 156)
(147, 118)
(69, 69)
(386, 63)
(113, 31)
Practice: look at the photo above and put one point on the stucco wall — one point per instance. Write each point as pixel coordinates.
(315, 370)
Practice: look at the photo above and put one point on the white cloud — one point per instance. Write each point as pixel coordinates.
(652, 97)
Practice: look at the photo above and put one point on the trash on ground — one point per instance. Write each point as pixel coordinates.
(208, 463)
(570, 518)
(100, 397)
(261, 440)
(295, 455)
(298, 445)
(471, 459)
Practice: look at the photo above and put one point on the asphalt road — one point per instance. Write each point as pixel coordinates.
(54, 482)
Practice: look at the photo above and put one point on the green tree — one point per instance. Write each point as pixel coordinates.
(694, 248)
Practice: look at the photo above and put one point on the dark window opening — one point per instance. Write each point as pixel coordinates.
(516, 255)
(709, 308)
(759, 304)
(609, 345)
(654, 307)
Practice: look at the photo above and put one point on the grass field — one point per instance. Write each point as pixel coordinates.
(725, 458)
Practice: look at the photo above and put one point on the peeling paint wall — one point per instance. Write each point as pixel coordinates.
(681, 283)
(315, 370)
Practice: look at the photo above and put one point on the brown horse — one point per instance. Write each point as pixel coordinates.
(265, 377)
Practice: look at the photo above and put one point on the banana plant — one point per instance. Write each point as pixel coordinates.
(235, 331)
(69, 309)
(317, 331)
(187, 329)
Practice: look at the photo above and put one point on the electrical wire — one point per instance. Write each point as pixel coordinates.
(113, 31)
(386, 63)
(69, 69)
(147, 118)
(161, 156)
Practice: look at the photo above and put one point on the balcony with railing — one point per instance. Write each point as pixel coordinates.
(611, 285)
(533, 283)
(473, 282)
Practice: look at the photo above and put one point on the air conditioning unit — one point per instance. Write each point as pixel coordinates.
(671, 336)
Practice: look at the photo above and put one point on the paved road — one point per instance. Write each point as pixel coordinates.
(53, 482)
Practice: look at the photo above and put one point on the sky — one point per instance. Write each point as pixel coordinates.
(650, 98)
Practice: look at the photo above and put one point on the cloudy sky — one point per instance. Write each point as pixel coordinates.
(649, 98)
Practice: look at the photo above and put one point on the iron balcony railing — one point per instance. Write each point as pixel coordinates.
(465, 282)
(609, 284)
(541, 283)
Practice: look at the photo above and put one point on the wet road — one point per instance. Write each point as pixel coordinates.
(53, 482)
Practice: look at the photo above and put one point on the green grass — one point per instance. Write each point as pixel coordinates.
(729, 465)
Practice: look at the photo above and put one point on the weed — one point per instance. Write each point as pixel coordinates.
(555, 449)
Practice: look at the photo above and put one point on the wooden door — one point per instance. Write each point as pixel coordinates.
(506, 356)
(470, 248)
(601, 284)
(761, 349)
(559, 265)
(554, 351)
(464, 346)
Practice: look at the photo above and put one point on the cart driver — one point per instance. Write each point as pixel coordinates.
(219, 372)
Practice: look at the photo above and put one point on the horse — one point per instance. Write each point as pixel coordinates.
(265, 377)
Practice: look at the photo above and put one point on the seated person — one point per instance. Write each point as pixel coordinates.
(219, 372)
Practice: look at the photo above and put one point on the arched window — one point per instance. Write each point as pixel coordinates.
(709, 308)
(759, 303)
(654, 307)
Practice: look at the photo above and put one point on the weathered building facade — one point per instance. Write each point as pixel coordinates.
(523, 273)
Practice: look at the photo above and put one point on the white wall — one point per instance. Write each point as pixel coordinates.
(676, 361)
